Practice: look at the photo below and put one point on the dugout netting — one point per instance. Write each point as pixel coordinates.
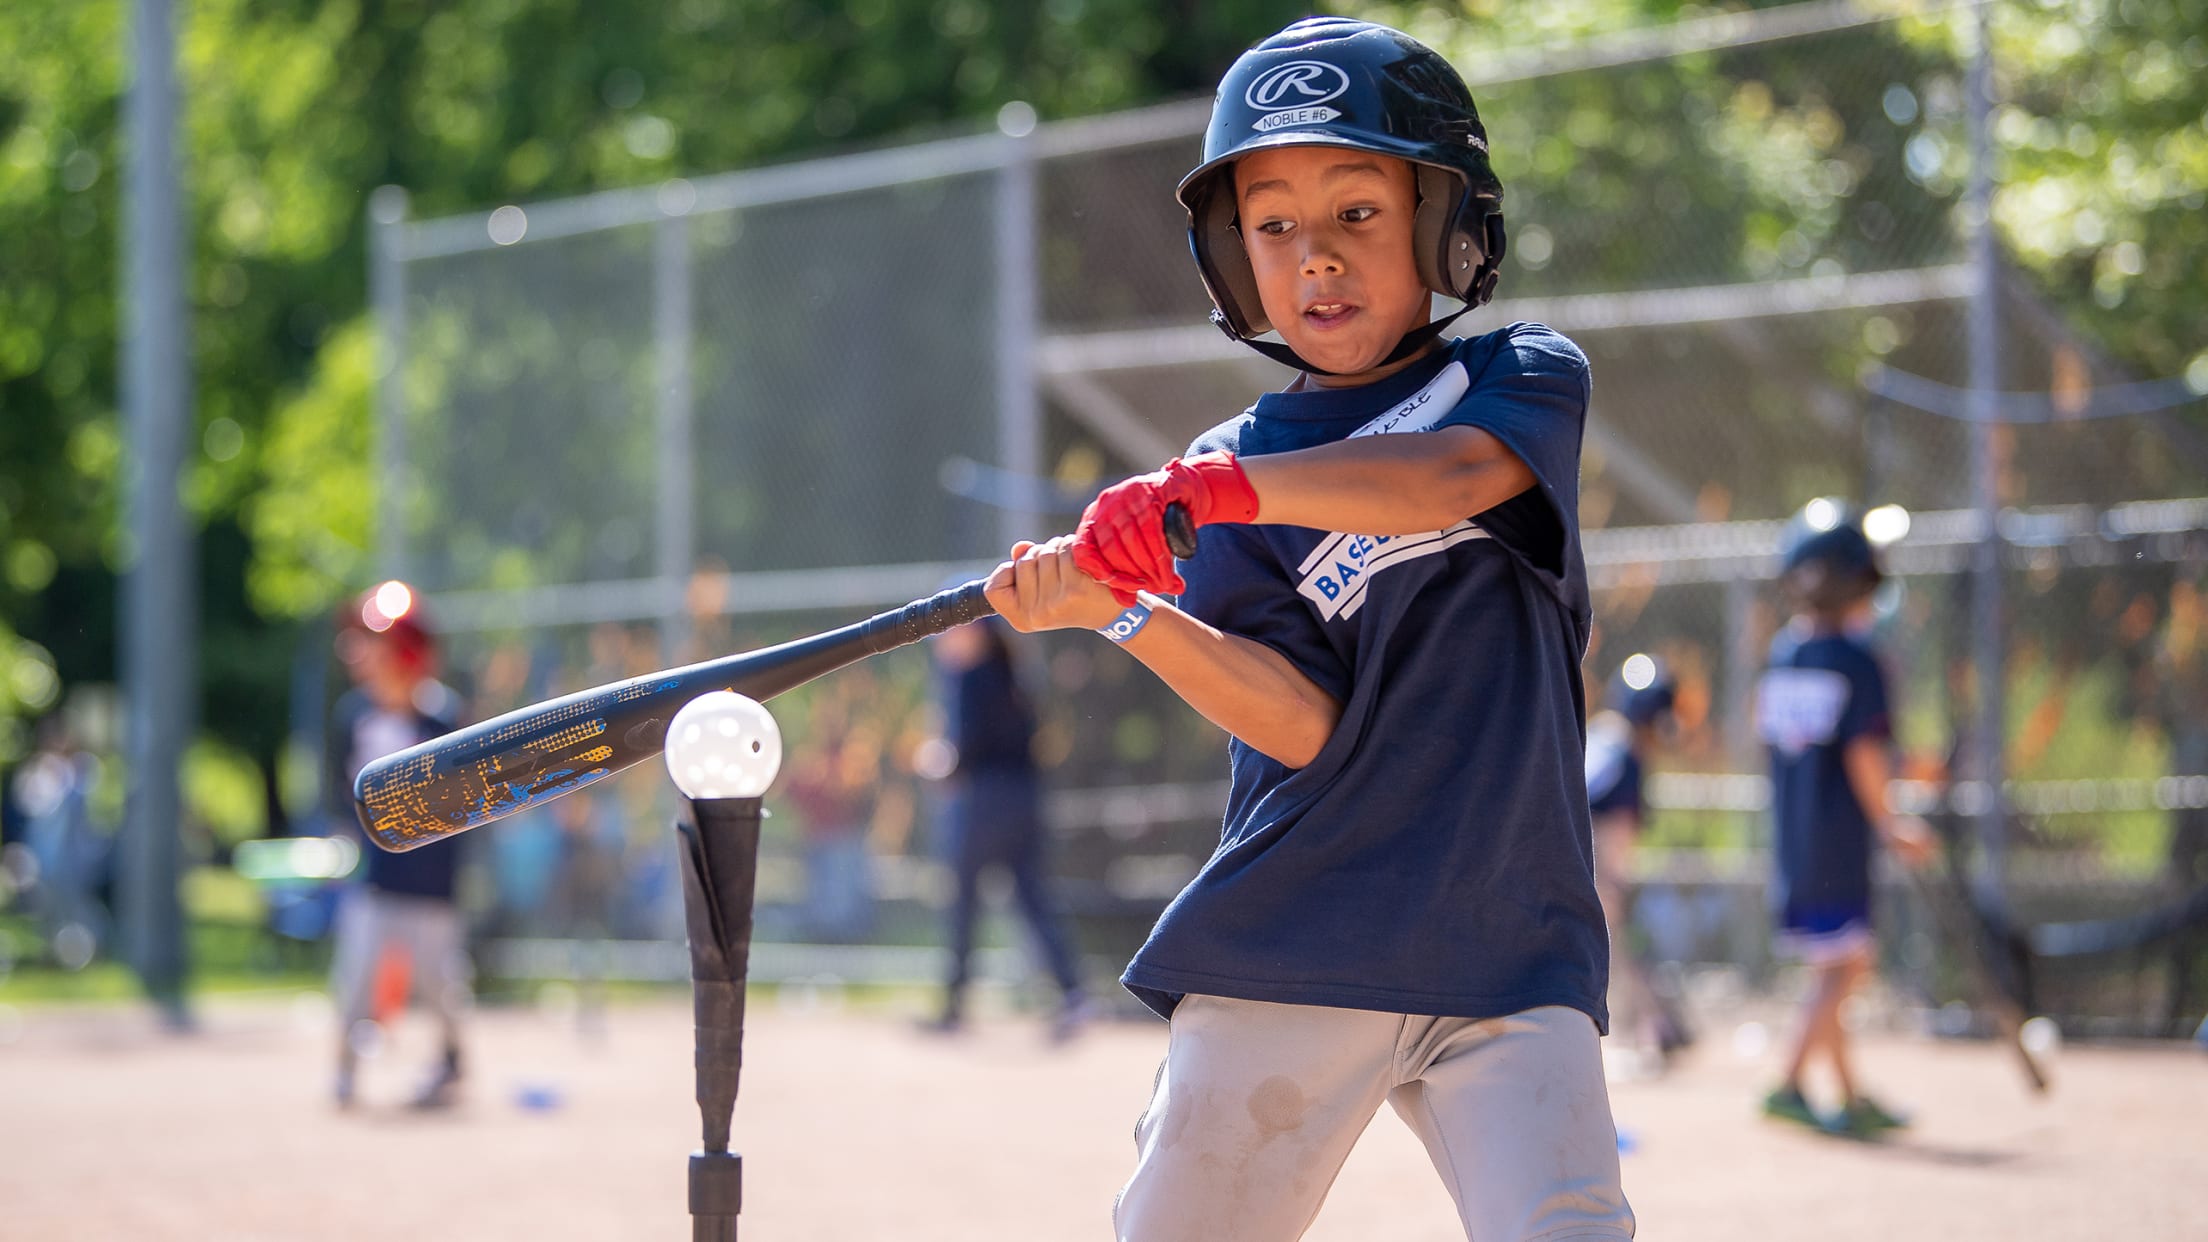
(655, 423)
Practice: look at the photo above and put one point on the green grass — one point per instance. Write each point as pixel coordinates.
(226, 958)
(107, 982)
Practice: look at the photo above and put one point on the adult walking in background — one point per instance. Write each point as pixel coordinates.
(994, 813)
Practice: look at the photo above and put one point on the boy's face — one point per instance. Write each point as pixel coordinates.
(388, 674)
(1328, 232)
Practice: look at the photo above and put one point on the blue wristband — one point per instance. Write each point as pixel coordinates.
(1127, 624)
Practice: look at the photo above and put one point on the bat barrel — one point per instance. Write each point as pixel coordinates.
(485, 772)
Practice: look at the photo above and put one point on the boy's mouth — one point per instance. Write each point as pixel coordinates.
(1328, 314)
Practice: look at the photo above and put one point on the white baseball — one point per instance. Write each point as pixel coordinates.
(723, 745)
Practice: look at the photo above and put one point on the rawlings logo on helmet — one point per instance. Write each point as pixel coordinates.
(1293, 94)
(1297, 84)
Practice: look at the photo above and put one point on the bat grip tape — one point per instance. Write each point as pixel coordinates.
(922, 618)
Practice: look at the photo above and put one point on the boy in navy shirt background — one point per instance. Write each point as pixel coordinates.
(1619, 741)
(1822, 712)
(1387, 610)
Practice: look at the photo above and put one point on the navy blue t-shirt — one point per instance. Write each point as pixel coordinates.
(359, 732)
(1435, 856)
(990, 722)
(1822, 690)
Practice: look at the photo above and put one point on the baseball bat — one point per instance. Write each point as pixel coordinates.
(1997, 959)
(1993, 958)
(527, 757)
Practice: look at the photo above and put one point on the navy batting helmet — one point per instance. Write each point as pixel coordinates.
(1334, 82)
(1825, 559)
(1644, 689)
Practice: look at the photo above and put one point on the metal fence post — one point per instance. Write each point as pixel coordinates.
(157, 622)
(1743, 664)
(1019, 413)
(387, 301)
(1987, 655)
(675, 522)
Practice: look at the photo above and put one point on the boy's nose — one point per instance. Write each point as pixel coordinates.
(1322, 261)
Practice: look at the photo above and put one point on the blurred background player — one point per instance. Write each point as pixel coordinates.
(1619, 742)
(585, 885)
(401, 914)
(1822, 711)
(64, 857)
(832, 783)
(994, 815)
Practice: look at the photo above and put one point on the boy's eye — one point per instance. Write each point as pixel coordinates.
(1274, 228)
(1358, 215)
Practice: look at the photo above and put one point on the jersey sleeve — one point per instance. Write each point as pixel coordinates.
(1867, 713)
(1236, 583)
(1533, 397)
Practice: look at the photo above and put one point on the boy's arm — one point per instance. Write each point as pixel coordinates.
(1388, 485)
(1244, 687)
(1517, 431)
(1870, 770)
(1370, 485)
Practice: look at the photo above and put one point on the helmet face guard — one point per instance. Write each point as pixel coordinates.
(1332, 82)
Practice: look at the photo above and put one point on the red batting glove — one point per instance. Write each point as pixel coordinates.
(1121, 539)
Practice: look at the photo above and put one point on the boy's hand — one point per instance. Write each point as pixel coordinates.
(1121, 539)
(1041, 588)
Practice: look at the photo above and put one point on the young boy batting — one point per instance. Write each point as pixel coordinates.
(1821, 708)
(1387, 610)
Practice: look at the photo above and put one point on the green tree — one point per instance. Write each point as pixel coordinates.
(294, 111)
(2102, 125)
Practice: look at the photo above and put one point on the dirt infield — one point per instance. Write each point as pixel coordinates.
(856, 1127)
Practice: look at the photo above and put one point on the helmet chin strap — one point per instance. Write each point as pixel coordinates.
(1414, 340)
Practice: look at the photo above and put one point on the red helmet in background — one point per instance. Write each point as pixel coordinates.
(391, 613)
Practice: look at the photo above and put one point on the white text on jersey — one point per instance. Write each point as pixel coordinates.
(1334, 576)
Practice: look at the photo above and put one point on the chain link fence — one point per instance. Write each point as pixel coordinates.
(653, 424)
